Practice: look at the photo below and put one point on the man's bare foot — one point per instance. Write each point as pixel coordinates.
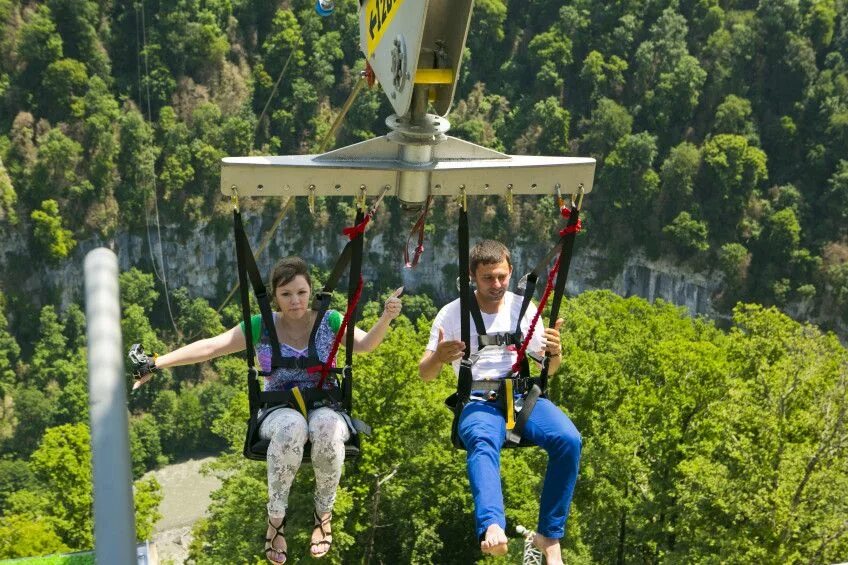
(495, 541)
(550, 549)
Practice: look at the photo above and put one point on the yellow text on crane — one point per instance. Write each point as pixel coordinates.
(379, 14)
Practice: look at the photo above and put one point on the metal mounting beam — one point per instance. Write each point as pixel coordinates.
(446, 167)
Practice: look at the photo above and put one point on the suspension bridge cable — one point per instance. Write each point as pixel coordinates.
(163, 277)
(274, 90)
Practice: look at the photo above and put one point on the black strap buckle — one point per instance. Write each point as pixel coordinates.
(501, 339)
(321, 300)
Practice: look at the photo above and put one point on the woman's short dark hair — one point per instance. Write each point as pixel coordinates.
(286, 270)
(487, 252)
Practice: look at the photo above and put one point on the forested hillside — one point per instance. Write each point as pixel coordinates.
(721, 134)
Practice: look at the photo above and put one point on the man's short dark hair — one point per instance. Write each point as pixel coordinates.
(488, 252)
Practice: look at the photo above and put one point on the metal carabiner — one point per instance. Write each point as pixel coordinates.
(311, 199)
(234, 197)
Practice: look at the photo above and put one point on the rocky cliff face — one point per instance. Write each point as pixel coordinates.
(204, 263)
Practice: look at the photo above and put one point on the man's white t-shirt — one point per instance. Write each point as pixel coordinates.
(494, 362)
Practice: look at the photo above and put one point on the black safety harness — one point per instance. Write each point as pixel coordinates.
(333, 394)
(519, 380)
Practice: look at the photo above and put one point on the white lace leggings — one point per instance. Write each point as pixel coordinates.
(287, 431)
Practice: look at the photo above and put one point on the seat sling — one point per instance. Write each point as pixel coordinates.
(339, 397)
(518, 381)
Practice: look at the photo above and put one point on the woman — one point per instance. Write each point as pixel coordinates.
(286, 428)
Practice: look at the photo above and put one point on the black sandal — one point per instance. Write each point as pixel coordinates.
(269, 542)
(327, 537)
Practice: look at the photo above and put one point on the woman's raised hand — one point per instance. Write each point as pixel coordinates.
(393, 304)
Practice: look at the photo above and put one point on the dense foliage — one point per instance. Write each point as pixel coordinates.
(720, 128)
(700, 446)
(721, 133)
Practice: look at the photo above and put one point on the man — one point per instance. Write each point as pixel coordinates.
(482, 425)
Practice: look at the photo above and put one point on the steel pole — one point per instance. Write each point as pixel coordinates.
(114, 523)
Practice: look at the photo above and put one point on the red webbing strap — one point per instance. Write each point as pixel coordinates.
(359, 228)
(548, 289)
(418, 227)
(566, 213)
(328, 364)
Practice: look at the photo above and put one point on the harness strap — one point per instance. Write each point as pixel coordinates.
(292, 363)
(248, 269)
(351, 255)
(513, 436)
(523, 349)
(568, 235)
(509, 404)
(249, 352)
(463, 388)
(298, 398)
(327, 365)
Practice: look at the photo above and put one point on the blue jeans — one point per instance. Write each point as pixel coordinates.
(482, 428)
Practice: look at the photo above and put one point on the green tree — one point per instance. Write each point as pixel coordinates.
(196, 318)
(820, 22)
(135, 162)
(75, 330)
(733, 115)
(687, 234)
(188, 423)
(164, 411)
(550, 53)
(77, 23)
(15, 476)
(56, 169)
(604, 78)
(52, 345)
(631, 181)
(22, 536)
(836, 198)
(554, 121)
(774, 457)
(608, 124)
(8, 198)
(734, 261)
(147, 495)
(733, 170)
(139, 288)
(38, 46)
(64, 81)
(57, 241)
(480, 117)
(10, 351)
(100, 114)
(145, 444)
(62, 464)
(32, 414)
(781, 234)
(72, 401)
(678, 174)
(486, 33)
